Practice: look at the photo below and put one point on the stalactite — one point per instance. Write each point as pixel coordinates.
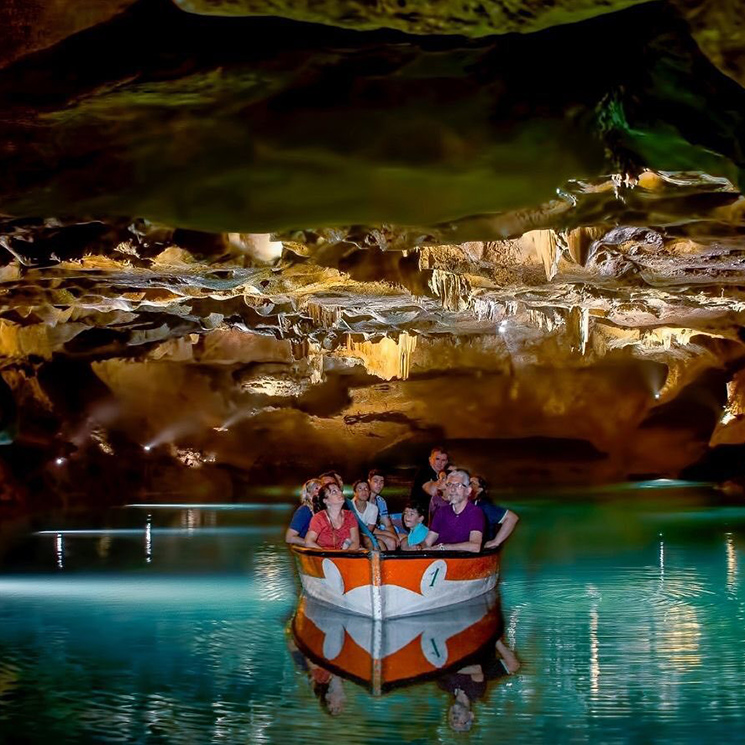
(325, 316)
(578, 322)
(579, 243)
(311, 354)
(545, 320)
(488, 309)
(547, 250)
(386, 358)
(453, 290)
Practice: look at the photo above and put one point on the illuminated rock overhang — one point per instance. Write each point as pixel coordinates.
(341, 247)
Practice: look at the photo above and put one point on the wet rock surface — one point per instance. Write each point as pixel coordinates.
(262, 259)
(420, 16)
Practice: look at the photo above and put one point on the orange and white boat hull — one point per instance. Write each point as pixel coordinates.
(385, 655)
(381, 586)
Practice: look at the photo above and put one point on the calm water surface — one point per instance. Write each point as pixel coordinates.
(173, 625)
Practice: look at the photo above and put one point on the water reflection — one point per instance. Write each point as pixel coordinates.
(149, 539)
(731, 563)
(460, 648)
(59, 548)
(382, 655)
(628, 619)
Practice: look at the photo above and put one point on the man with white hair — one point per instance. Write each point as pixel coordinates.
(459, 526)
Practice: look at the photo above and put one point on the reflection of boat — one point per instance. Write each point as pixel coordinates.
(387, 585)
(385, 654)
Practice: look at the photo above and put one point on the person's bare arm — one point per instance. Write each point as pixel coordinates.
(511, 663)
(292, 536)
(311, 537)
(509, 521)
(475, 671)
(473, 544)
(386, 521)
(354, 536)
(404, 545)
(431, 539)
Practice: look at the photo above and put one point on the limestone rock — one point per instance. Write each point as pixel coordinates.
(261, 248)
(420, 16)
(719, 28)
(380, 132)
(31, 25)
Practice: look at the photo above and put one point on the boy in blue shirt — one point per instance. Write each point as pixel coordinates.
(416, 530)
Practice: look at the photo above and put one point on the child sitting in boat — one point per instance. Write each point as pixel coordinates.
(385, 529)
(416, 530)
(332, 527)
(367, 513)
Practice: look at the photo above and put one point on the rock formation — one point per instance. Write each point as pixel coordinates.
(250, 248)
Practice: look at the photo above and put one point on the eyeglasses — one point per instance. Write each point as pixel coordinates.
(453, 484)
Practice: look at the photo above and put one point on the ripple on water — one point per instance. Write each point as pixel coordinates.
(622, 589)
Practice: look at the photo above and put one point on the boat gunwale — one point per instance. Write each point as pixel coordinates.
(389, 555)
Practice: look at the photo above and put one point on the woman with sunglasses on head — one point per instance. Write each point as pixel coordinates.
(332, 527)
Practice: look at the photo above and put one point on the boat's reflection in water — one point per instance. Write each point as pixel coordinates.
(462, 640)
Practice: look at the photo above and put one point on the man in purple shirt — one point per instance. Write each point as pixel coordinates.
(460, 525)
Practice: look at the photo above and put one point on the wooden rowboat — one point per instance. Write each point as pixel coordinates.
(384, 585)
(386, 655)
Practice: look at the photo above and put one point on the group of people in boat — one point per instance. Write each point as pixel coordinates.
(448, 509)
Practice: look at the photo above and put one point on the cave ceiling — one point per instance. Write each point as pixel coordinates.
(274, 238)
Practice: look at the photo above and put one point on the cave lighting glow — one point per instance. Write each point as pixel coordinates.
(172, 433)
(148, 589)
(668, 484)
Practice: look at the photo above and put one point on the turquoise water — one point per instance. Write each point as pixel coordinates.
(172, 625)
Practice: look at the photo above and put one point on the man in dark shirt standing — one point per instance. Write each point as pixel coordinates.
(426, 477)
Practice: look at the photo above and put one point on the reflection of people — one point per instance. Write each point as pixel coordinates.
(425, 481)
(500, 522)
(469, 684)
(326, 686)
(332, 527)
(301, 519)
(460, 525)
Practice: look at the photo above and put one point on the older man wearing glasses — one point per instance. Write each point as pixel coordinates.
(458, 526)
